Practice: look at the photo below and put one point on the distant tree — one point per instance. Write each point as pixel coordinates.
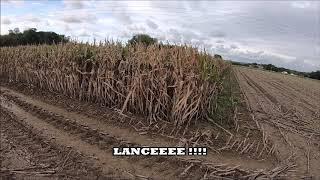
(31, 36)
(315, 75)
(270, 67)
(16, 30)
(217, 56)
(254, 65)
(142, 38)
(11, 31)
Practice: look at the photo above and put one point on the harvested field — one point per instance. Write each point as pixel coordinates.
(74, 102)
(287, 111)
(93, 135)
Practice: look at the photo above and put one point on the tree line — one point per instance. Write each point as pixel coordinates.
(31, 36)
(271, 67)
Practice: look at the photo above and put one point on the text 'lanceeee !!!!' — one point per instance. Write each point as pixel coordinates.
(159, 151)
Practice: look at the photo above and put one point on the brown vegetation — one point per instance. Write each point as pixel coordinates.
(165, 84)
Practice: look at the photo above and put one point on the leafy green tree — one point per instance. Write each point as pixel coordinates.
(142, 38)
(31, 36)
(315, 75)
(270, 67)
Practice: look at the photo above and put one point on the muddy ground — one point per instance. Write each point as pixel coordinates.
(48, 135)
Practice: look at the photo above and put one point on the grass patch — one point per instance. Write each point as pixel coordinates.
(226, 101)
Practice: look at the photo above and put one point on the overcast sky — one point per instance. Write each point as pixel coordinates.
(285, 33)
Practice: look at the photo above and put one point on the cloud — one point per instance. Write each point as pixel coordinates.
(17, 3)
(73, 4)
(174, 35)
(36, 3)
(119, 10)
(124, 18)
(265, 57)
(190, 35)
(151, 24)
(97, 35)
(80, 18)
(136, 29)
(217, 34)
(67, 28)
(219, 41)
(84, 34)
(301, 4)
(233, 46)
(6, 21)
(72, 19)
(32, 18)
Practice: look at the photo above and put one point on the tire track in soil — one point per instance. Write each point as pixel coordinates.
(132, 138)
(306, 153)
(86, 137)
(25, 153)
(293, 95)
(259, 88)
(88, 142)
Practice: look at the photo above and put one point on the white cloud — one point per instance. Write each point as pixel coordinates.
(80, 18)
(17, 3)
(217, 34)
(301, 4)
(123, 18)
(84, 33)
(233, 46)
(67, 28)
(135, 29)
(36, 3)
(151, 24)
(5, 21)
(32, 18)
(74, 4)
(72, 19)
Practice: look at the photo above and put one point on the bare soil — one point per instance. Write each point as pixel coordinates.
(287, 110)
(27, 154)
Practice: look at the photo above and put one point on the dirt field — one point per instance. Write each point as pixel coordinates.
(89, 131)
(287, 110)
(53, 136)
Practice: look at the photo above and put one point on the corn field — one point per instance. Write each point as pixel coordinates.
(170, 84)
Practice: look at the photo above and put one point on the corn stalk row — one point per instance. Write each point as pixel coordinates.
(170, 84)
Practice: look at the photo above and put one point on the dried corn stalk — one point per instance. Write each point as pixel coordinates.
(177, 84)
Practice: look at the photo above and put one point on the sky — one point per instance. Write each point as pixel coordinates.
(283, 33)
